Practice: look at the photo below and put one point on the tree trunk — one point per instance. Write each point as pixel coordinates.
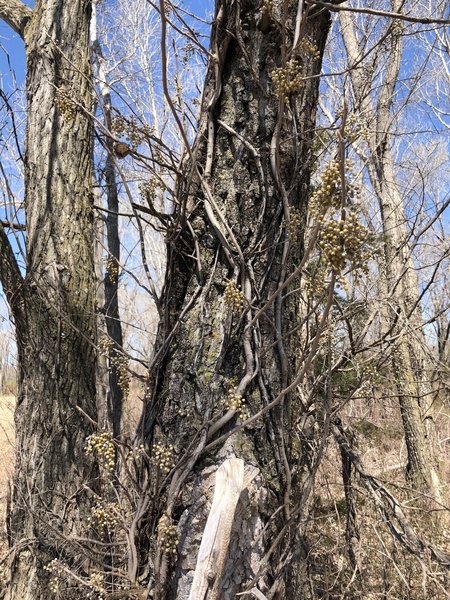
(401, 316)
(116, 387)
(237, 235)
(54, 309)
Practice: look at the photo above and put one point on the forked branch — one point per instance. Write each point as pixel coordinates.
(388, 505)
(16, 14)
(10, 276)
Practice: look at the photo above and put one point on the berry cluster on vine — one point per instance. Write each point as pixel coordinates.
(148, 188)
(101, 445)
(355, 128)
(130, 129)
(236, 402)
(345, 241)
(328, 194)
(164, 457)
(168, 535)
(105, 515)
(136, 453)
(112, 268)
(234, 297)
(118, 361)
(295, 221)
(267, 6)
(287, 79)
(305, 45)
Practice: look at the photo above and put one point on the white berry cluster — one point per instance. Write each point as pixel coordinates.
(328, 193)
(168, 535)
(355, 128)
(105, 515)
(295, 222)
(136, 453)
(132, 130)
(287, 79)
(234, 297)
(236, 402)
(164, 457)
(315, 280)
(120, 363)
(267, 6)
(112, 268)
(345, 241)
(305, 45)
(105, 344)
(97, 584)
(54, 567)
(101, 446)
(148, 188)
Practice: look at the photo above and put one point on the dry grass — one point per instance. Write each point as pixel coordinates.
(6, 438)
(385, 569)
(6, 461)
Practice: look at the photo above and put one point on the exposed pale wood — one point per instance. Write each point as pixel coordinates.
(216, 536)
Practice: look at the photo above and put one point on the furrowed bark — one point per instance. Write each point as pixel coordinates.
(247, 173)
(56, 331)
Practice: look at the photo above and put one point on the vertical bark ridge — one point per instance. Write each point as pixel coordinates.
(251, 171)
(56, 339)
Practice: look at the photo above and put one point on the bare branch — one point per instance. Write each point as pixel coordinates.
(16, 226)
(16, 14)
(383, 13)
(388, 505)
(10, 276)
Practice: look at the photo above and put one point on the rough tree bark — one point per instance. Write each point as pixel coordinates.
(237, 235)
(54, 304)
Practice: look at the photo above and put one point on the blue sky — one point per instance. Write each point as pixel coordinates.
(12, 60)
(12, 45)
(12, 52)
(12, 55)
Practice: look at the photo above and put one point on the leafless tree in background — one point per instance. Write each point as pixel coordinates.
(296, 289)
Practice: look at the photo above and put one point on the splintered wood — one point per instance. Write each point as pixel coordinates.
(216, 536)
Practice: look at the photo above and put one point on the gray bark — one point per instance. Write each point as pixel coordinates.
(16, 14)
(249, 168)
(54, 307)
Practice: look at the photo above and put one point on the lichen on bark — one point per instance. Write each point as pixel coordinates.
(249, 166)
